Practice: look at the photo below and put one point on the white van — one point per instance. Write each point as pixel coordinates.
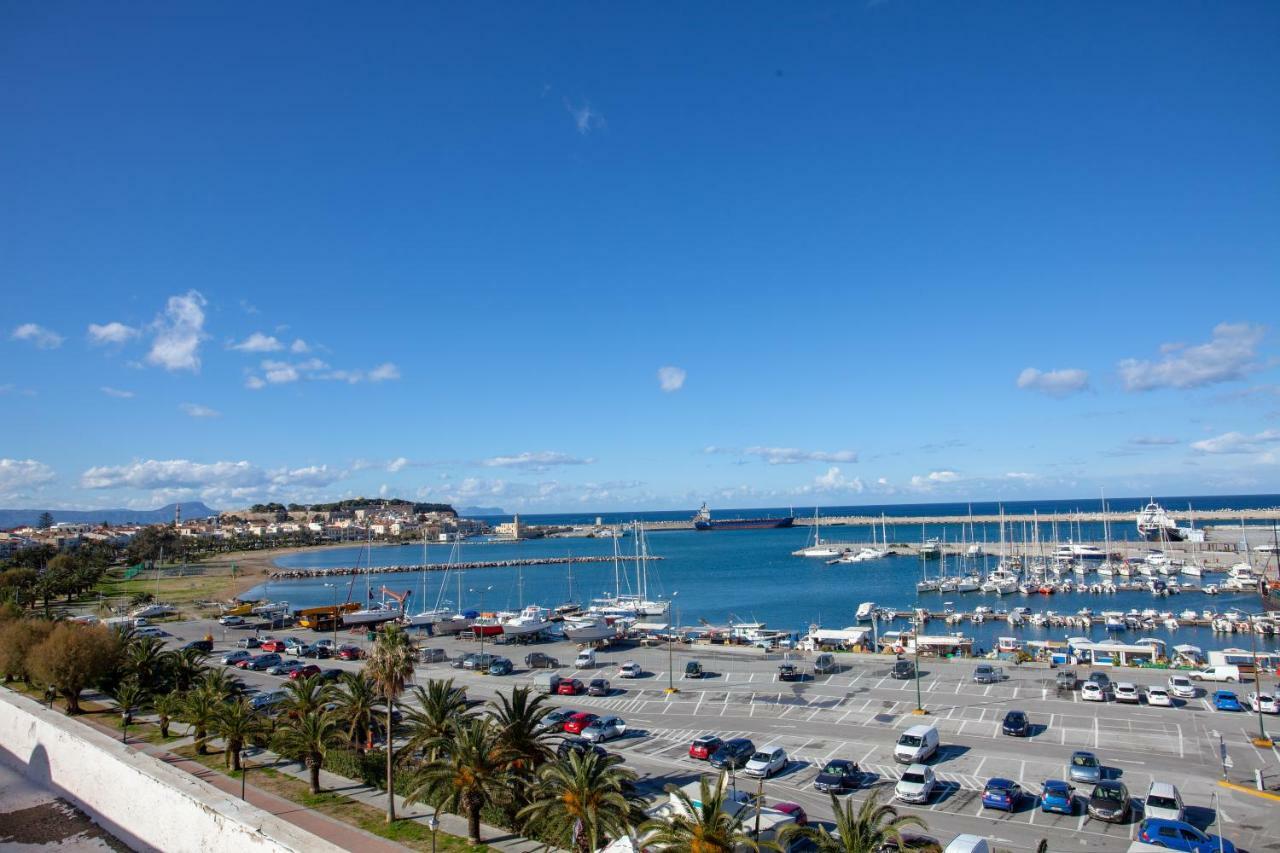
(1229, 672)
(1164, 802)
(968, 844)
(917, 744)
(824, 663)
(585, 659)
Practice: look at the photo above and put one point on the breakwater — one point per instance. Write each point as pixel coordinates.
(295, 574)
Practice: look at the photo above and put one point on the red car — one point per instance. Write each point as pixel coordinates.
(272, 646)
(569, 687)
(575, 724)
(795, 810)
(704, 747)
(306, 672)
(349, 653)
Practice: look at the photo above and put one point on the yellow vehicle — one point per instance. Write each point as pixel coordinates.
(323, 618)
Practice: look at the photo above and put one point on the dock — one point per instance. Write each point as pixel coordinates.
(296, 574)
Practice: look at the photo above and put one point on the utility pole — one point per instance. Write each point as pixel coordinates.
(671, 646)
(1261, 740)
(916, 667)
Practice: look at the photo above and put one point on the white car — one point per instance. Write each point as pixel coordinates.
(766, 762)
(916, 784)
(605, 728)
(1163, 802)
(1159, 697)
(1181, 686)
(1262, 703)
(231, 621)
(1127, 691)
(1091, 692)
(630, 669)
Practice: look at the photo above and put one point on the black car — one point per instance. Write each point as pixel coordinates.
(693, 669)
(903, 669)
(578, 746)
(911, 841)
(789, 672)
(1109, 801)
(1015, 723)
(1101, 679)
(500, 666)
(199, 645)
(838, 776)
(330, 674)
(538, 660)
(734, 754)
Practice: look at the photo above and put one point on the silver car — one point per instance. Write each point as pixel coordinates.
(235, 657)
(1084, 767)
(766, 762)
(604, 728)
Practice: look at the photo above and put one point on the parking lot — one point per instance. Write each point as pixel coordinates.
(858, 712)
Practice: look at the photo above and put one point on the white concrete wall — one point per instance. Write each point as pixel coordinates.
(138, 798)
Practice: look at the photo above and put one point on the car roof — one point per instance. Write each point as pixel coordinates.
(739, 741)
(917, 768)
(1016, 711)
(919, 731)
(1000, 782)
(1163, 789)
(842, 762)
(1055, 785)
(1082, 753)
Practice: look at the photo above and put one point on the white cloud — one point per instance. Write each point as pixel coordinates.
(1021, 475)
(1237, 442)
(1153, 441)
(792, 455)
(248, 307)
(36, 334)
(536, 461)
(283, 372)
(111, 333)
(280, 372)
(671, 378)
(254, 383)
(299, 346)
(239, 479)
(117, 392)
(196, 410)
(179, 332)
(585, 119)
(258, 342)
(384, 372)
(397, 465)
(928, 481)
(1230, 355)
(1055, 383)
(834, 481)
(18, 477)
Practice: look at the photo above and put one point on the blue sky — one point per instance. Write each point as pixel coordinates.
(605, 256)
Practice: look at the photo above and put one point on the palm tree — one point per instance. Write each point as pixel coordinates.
(304, 695)
(307, 735)
(357, 706)
(220, 682)
(433, 715)
(199, 710)
(389, 666)
(518, 734)
(186, 667)
(703, 828)
(470, 774)
(144, 659)
(236, 722)
(130, 697)
(865, 830)
(585, 800)
(168, 707)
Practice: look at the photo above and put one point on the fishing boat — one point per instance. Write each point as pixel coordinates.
(589, 629)
(865, 611)
(380, 611)
(529, 620)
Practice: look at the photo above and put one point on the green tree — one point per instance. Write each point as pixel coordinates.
(131, 698)
(145, 660)
(306, 735)
(168, 707)
(518, 719)
(200, 712)
(703, 828)
(18, 638)
(184, 668)
(45, 521)
(470, 774)
(236, 722)
(389, 667)
(864, 829)
(73, 657)
(220, 682)
(433, 715)
(584, 801)
(357, 707)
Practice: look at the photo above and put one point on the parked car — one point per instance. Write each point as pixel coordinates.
(349, 652)
(789, 672)
(266, 701)
(231, 621)
(478, 661)
(579, 721)
(272, 645)
(604, 728)
(1058, 797)
(1159, 697)
(599, 687)
(1109, 801)
(1163, 801)
(734, 753)
(328, 644)
(313, 650)
(1228, 673)
(330, 674)
(1262, 703)
(630, 669)
(1179, 835)
(1084, 767)
(704, 747)
(1101, 679)
(304, 672)
(1181, 686)
(260, 662)
(1091, 692)
(903, 670)
(766, 762)
(554, 721)
(1127, 692)
(839, 775)
(539, 660)
(199, 646)
(967, 843)
(292, 643)
(985, 673)
(248, 643)
(916, 784)
(569, 687)
(797, 812)
(693, 669)
(916, 744)
(909, 841)
(1066, 679)
(500, 666)
(1016, 724)
(546, 682)
(579, 746)
(233, 658)
(1225, 700)
(285, 667)
(1001, 793)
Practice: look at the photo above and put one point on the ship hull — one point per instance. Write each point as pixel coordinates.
(1167, 534)
(744, 524)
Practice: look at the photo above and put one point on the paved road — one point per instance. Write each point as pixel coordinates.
(858, 713)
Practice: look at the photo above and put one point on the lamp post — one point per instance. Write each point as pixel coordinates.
(244, 770)
(916, 667)
(433, 824)
(671, 646)
(1261, 740)
(334, 615)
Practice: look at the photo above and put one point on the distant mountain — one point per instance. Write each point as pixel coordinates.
(22, 517)
(473, 511)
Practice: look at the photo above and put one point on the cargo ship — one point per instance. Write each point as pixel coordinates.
(703, 521)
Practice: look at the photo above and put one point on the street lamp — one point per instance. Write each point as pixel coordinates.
(433, 824)
(671, 646)
(1261, 740)
(919, 704)
(334, 615)
(244, 769)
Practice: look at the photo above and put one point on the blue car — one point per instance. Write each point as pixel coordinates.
(1178, 835)
(1057, 796)
(1001, 794)
(1225, 700)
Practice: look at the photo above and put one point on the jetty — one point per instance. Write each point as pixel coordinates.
(296, 574)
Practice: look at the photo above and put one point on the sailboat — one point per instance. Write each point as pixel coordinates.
(442, 619)
(375, 612)
(818, 548)
(631, 604)
(530, 620)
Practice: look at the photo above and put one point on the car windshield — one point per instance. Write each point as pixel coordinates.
(1157, 802)
(913, 778)
(909, 740)
(761, 756)
(1105, 793)
(1083, 760)
(1180, 681)
(833, 768)
(1015, 717)
(983, 670)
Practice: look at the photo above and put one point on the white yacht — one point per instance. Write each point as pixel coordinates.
(1156, 525)
(865, 611)
(587, 629)
(530, 620)
(819, 548)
